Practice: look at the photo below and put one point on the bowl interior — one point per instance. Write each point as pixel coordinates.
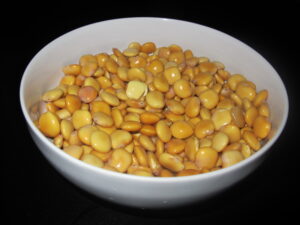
(44, 71)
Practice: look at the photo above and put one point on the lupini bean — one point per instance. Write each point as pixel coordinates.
(154, 111)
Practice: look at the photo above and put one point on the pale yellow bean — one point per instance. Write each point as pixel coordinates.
(146, 142)
(120, 138)
(136, 89)
(220, 118)
(206, 158)
(120, 160)
(230, 158)
(85, 132)
(92, 160)
(100, 141)
(74, 151)
(155, 99)
(171, 162)
(220, 141)
(103, 119)
(81, 118)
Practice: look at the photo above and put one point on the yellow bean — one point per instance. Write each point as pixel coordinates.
(136, 74)
(220, 118)
(160, 83)
(234, 80)
(171, 162)
(74, 151)
(63, 114)
(81, 118)
(131, 126)
(58, 141)
(111, 66)
(155, 67)
(146, 142)
(175, 106)
(92, 160)
(261, 127)
(250, 115)
(52, 95)
(203, 79)
(192, 108)
(208, 67)
(264, 110)
(230, 158)
(100, 106)
(233, 132)
(206, 158)
(149, 118)
(244, 90)
(73, 103)
(181, 129)
(148, 47)
(155, 99)
(85, 132)
(120, 160)
(175, 146)
(100, 141)
(209, 98)
(182, 88)
(204, 128)
(205, 114)
(120, 138)
(163, 131)
(72, 69)
(49, 124)
(136, 89)
(129, 52)
(89, 81)
(237, 115)
(188, 172)
(220, 141)
(251, 140)
(74, 139)
(109, 98)
(260, 98)
(66, 128)
(191, 147)
(103, 119)
(89, 69)
(172, 74)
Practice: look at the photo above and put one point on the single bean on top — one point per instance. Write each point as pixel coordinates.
(154, 111)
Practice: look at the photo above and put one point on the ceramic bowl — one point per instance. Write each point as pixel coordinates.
(44, 72)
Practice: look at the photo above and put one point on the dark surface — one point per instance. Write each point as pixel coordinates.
(34, 192)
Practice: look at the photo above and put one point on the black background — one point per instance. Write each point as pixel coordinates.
(34, 193)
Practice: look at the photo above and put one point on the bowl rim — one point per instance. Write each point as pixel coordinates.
(105, 172)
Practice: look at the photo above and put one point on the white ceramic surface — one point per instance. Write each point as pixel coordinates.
(44, 72)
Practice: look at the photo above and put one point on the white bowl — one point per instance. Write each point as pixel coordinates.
(44, 72)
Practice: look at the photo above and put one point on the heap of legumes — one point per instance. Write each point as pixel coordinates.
(154, 111)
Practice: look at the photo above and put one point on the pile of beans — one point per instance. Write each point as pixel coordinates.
(154, 111)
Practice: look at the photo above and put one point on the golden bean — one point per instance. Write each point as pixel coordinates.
(204, 128)
(135, 44)
(237, 116)
(246, 150)
(181, 129)
(104, 82)
(250, 115)
(103, 119)
(73, 103)
(205, 114)
(136, 89)
(111, 66)
(100, 106)
(260, 98)
(63, 114)
(175, 146)
(89, 81)
(147, 143)
(264, 110)
(219, 141)
(58, 141)
(84, 133)
(52, 95)
(172, 74)
(81, 118)
(206, 158)
(86, 149)
(87, 94)
(66, 128)
(51, 107)
(131, 126)
(104, 156)
(153, 163)
(49, 124)
(74, 151)
(192, 108)
(175, 106)
(220, 118)
(72, 69)
(203, 79)
(149, 118)
(237, 100)
(261, 127)
(92, 160)
(163, 131)
(141, 172)
(137, 62)
(205, 142)
(232, 131)
(136, 74)
(225, 103)
(155, 67)
(68, 80)
(230, 158)
(141, 155)
(109, 98)
(234, 80)
(251, 140)
(191, 147)
(166, 173)
(155, 99)
(244, 90)
(148, 47)
(74, 139)
(160, 83)
(208, 67)
(182, 88)
(89, 69)
(120, 160)
(209, 98)
(120, 138)
(177, 57)
(100, 141)
(171, 162)
(129, 52)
